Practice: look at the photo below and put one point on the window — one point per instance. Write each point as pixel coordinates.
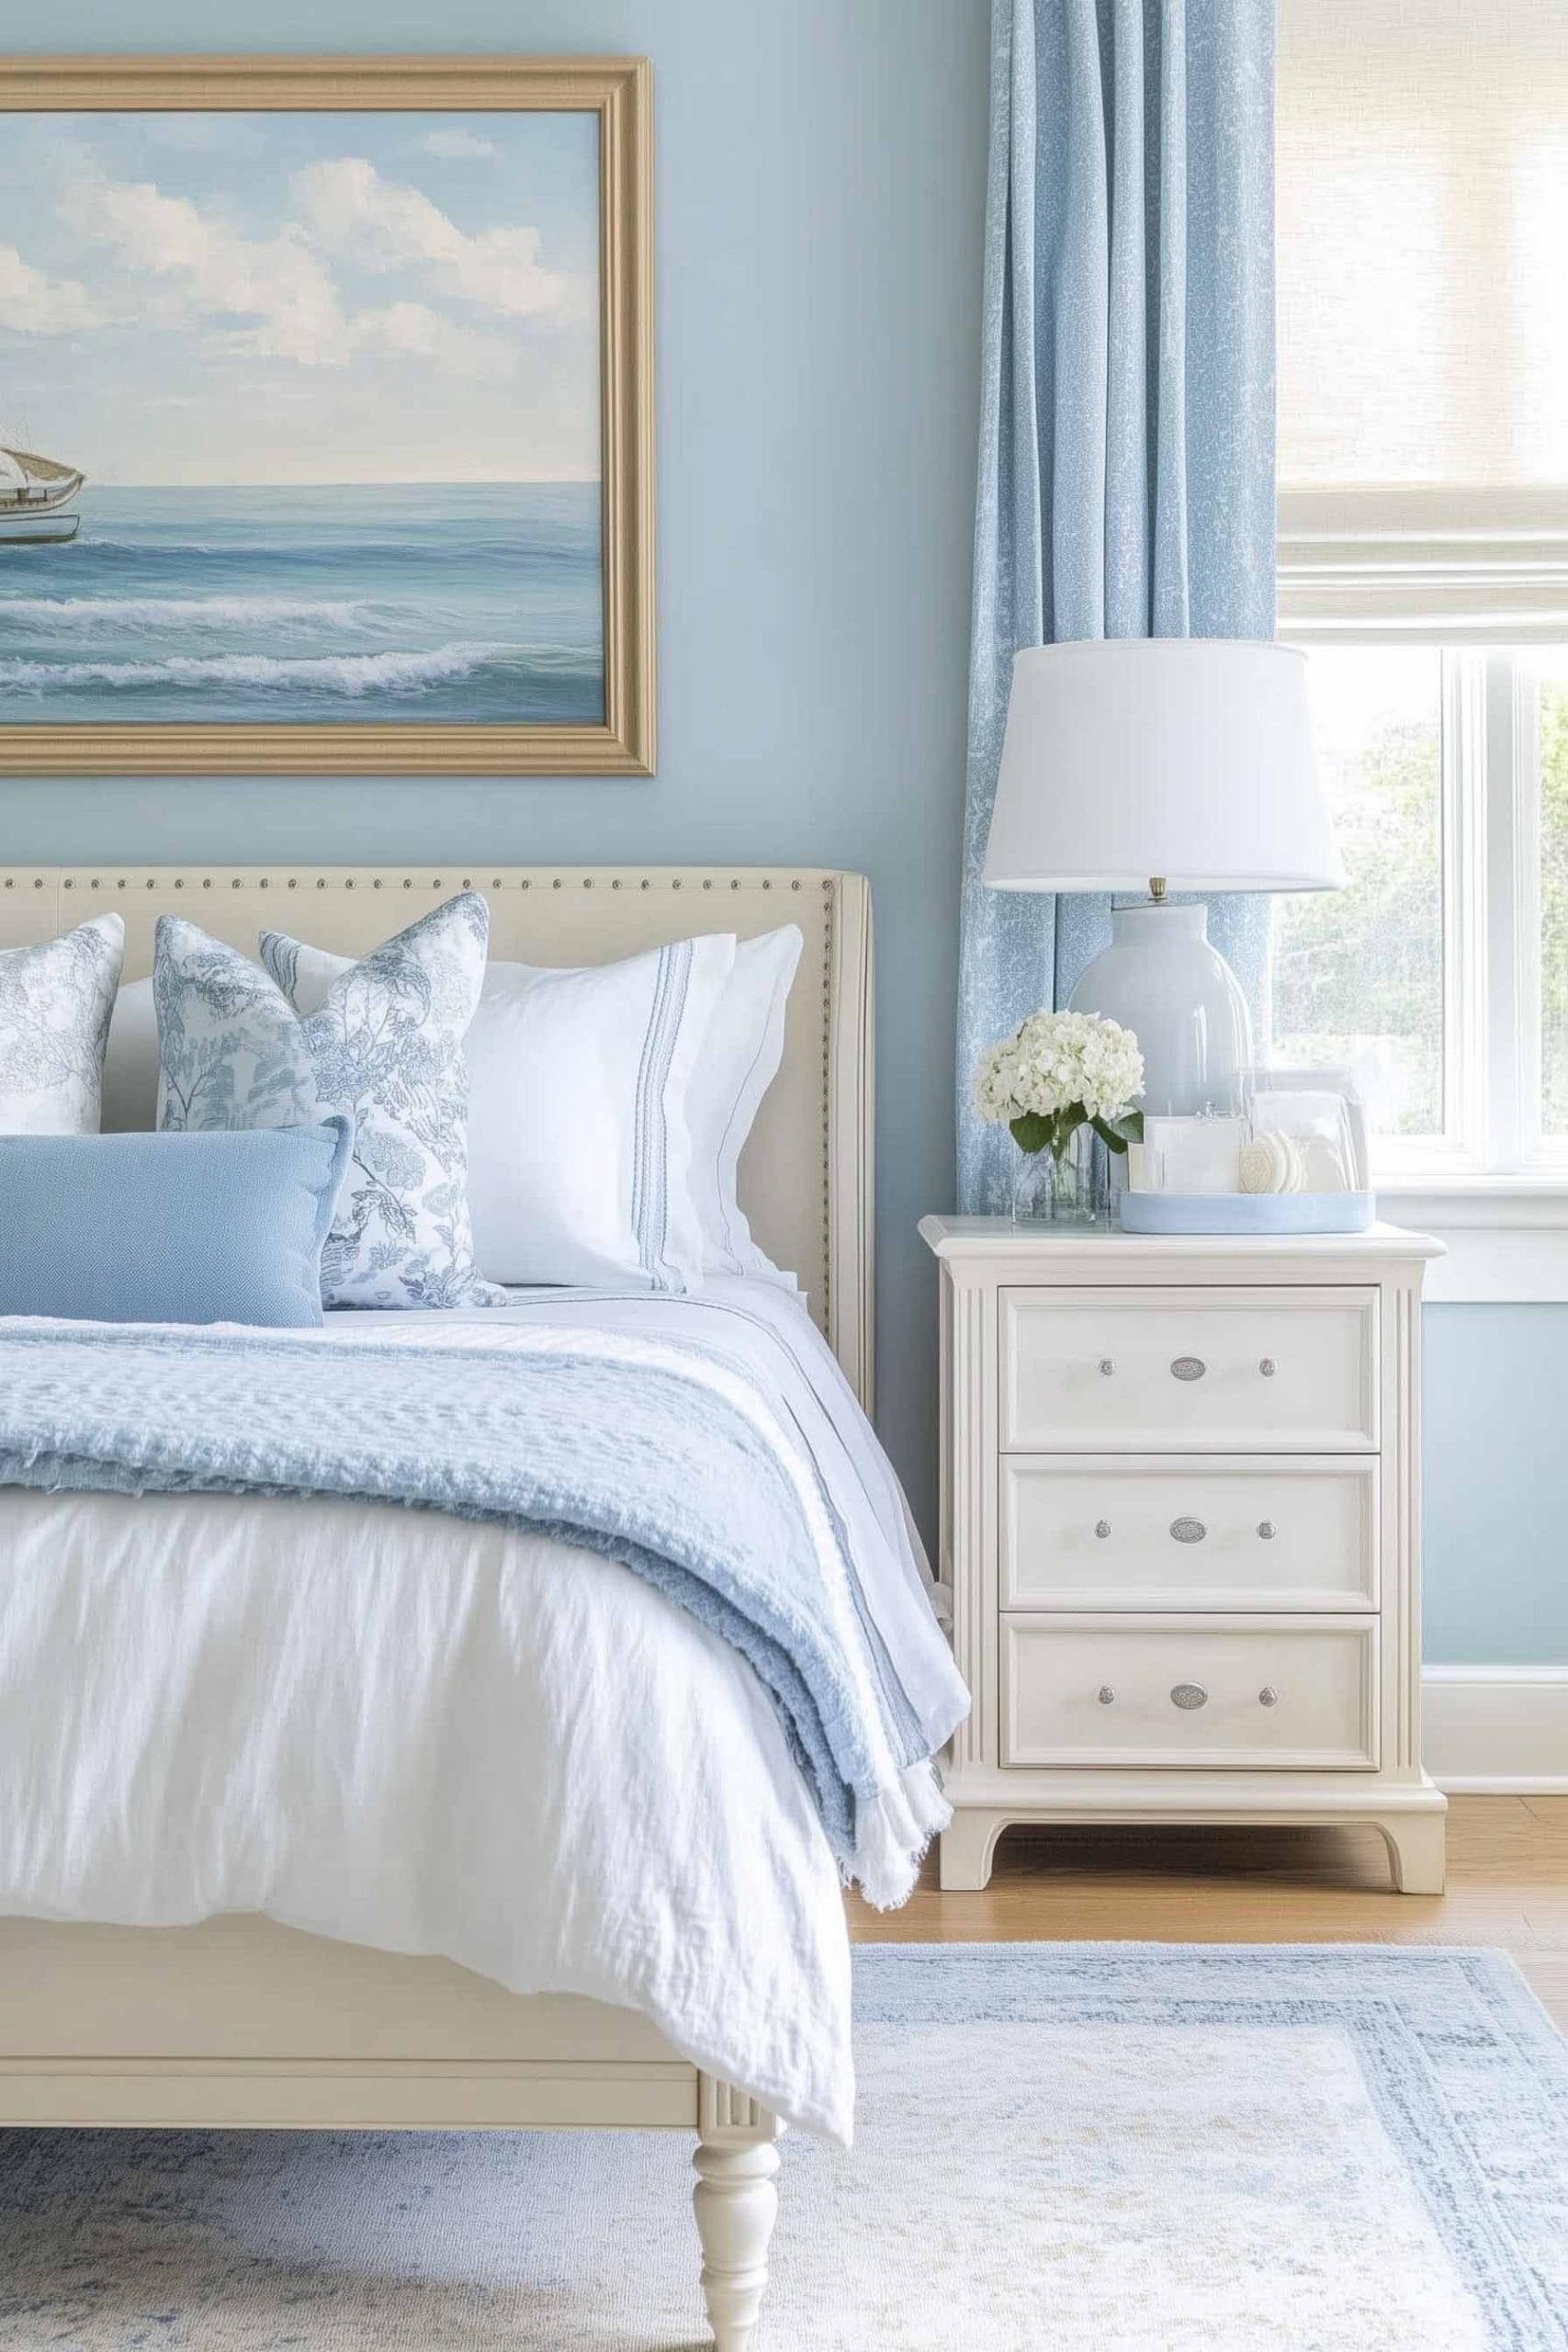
(1359, 974)
(1422, 186)
(1440, 974)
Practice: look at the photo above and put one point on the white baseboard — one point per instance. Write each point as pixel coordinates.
(1497, 1730)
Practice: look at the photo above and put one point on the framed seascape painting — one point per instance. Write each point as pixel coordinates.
(326, 437)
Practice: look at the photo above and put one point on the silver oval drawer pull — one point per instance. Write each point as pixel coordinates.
(1187, 1530)
(1268, 1696)
(1102, 1528)
(1267, 1367)
(1106, 1696)
(1266, 1529)
(1188, 1695)
(1188, 1368)
(1107, 1366)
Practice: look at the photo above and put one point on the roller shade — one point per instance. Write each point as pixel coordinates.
(1422, 197)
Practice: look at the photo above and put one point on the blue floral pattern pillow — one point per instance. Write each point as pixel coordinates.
(55, 1002)
(231, 1051)
(385, 1050)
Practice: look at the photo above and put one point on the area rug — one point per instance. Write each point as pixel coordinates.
(1062, 2148)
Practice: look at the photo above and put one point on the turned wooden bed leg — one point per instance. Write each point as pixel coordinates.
(736, 2204)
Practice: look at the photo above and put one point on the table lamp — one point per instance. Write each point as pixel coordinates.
(1163, 764)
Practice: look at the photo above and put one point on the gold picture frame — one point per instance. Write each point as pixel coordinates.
(617, 90)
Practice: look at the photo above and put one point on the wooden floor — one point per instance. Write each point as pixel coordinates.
(1507, 1887)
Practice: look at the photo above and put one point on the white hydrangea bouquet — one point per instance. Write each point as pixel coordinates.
(1058, 1078)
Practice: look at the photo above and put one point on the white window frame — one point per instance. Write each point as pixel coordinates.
(1364, 569)
(1491, 897)
(1491, 1187)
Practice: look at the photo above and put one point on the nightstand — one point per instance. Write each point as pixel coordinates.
(1180, 1506)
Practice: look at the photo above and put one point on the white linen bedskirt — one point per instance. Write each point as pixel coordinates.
(411, 1732)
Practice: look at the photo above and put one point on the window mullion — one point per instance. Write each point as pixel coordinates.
(1504, 1091)
(1466, 1062)
(1524, 715)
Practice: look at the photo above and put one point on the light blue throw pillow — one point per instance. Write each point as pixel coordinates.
(384, 1051)
(170, 1229)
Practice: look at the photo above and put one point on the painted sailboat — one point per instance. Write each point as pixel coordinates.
(34, 495)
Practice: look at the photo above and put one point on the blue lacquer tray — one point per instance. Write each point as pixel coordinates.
(1247, 1212)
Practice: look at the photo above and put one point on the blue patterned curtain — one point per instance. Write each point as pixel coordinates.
(1127, 422)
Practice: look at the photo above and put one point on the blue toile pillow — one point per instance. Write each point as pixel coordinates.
(55, 1002)
(384, 1051)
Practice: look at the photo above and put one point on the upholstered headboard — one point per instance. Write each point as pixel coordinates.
(805, 1177)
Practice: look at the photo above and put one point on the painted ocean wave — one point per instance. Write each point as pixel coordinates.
(470, 603)
(159, 551)
(91, 616)
(340, 673)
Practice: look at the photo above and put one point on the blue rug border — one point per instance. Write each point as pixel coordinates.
(1486, 1967)
(1464, 2186)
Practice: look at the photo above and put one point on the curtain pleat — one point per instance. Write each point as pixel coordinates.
(1126, 480)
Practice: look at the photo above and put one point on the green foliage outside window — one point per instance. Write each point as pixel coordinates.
(1358, 972)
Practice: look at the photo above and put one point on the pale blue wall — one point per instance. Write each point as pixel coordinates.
(820, 170)
(820, 167)
(1497, 1484)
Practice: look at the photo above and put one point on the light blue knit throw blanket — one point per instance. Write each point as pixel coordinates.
(649, 1455)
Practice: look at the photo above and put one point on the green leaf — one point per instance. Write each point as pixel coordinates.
(1117, 1134)
(1031, 1132)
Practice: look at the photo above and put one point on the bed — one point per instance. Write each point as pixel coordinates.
(214, 2014)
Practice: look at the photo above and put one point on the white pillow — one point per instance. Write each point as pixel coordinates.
(55, 1002)
(739, 1061)
(580, 1144)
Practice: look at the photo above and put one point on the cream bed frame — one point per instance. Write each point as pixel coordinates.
(239, 2023)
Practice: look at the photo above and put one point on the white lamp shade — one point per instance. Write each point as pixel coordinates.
(1188, 758)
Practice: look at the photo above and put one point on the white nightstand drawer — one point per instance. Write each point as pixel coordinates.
(1219, 1370)
(1239, 1694)
(1217, 1531)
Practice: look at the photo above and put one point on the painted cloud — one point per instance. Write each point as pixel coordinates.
(284, 284)
(264, 298)
(350, 209)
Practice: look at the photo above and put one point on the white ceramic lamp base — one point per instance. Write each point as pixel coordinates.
(1161, 978)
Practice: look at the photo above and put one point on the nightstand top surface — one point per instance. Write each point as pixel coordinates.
(999, 1237)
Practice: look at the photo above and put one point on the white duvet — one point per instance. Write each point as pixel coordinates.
(412, 1731)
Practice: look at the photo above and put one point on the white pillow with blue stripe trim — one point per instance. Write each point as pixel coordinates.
(740, 1060)
(580, 1141)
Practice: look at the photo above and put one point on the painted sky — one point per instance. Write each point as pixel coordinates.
(301, 297)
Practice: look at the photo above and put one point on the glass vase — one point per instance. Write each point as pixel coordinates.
(1068, 1189)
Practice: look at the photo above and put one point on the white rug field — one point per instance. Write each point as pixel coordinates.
(1062, 2148)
